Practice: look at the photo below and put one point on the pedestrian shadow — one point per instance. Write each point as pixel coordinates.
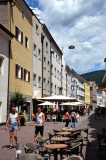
(8, 146)
(96, 126)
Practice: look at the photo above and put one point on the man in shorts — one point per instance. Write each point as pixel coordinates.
(39, 123)
(14, 121)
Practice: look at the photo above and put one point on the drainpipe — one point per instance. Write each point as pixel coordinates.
(8, 79)
(50, 67)
(42, 41)
(66, 84)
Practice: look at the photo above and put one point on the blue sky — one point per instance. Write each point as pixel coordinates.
(79, 23)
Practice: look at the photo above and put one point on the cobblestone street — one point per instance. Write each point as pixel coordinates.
(26, 134)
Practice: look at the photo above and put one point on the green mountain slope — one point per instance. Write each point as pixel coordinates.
(96, 76)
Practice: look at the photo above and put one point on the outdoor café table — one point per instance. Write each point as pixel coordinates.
(55, 147)
(63, 133)
(60, 139)
(68, 129)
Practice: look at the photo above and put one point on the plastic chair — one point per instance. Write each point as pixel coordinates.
(104, 132)
(75, 135)
(75, 148)
(63, 118)
(30, 157)
(50, 136)
(31, 147)
(102, 145)
(85, 138)
(53, 117)
(48, 117)
(42, 150)
(74, 157)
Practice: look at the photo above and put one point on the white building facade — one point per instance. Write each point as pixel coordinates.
(100, 98)
(63, 76)
(56, 69)
(5, 38)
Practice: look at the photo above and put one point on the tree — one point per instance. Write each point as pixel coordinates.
(17, 100)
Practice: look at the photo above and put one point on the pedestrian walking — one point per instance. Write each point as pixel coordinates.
(96, 112)
(73, 117)
(99, 112)
(67, 118)
(13, 121)
(39, 123)
(88, 110)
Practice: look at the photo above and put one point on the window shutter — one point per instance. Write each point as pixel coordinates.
(28, 76)
(24, 74)
(21, 73)
(25, 42)
(16, 32)
(16, 70)
(21, 37)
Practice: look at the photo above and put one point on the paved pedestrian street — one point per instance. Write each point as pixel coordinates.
(26, 134)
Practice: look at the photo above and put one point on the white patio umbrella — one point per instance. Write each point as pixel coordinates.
(58, 98)
(72, 104)
(46, 104)
(101, 106)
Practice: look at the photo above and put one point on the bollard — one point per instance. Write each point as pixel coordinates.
(18, 152)
(17, 145)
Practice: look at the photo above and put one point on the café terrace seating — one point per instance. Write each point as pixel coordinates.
(102, 145)
(85, 137)
(30, 157)
(74, 157)
(31, 147)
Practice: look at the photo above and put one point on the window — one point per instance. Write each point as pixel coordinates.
(59, 60)
(52, 87)
(55, 72)
(35, 53)
(48, 66)
(1, 66)
(71, 79)
(44, 62)
(51, 69)
(19, 71)
(44, 83)
(46, 46)
(23, 14)
(72, 88)
(34, 79)
(26, 42)
(39, 82)
(56, 58)
(19, 35)
(39, 54)
(55, 89)
(26, 75)
(91, 88)
(37, 29)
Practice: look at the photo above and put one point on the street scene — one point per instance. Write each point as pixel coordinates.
(52, 80)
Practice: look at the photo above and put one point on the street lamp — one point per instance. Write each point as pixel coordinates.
(71, 47)
(105, 64)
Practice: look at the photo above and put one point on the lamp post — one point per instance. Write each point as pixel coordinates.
(105, 65)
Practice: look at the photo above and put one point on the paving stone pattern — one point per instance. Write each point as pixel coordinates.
(26, 134)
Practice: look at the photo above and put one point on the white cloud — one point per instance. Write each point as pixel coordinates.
(73, 22)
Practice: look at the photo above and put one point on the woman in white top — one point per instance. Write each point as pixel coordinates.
(13, 120)
(39, 123)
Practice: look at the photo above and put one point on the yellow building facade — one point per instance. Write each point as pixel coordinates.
(20, 76)
(21, 49)
(87, 94)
